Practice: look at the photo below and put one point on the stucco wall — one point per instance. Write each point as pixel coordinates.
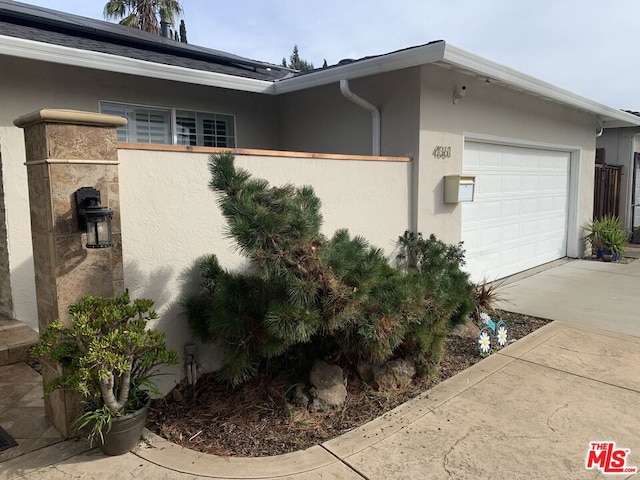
(321, 119)
(27, 86)
(6, 301)
(170, 217)
(490, 110)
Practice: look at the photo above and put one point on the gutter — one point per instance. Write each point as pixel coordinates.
(375, 115)
(46, 52)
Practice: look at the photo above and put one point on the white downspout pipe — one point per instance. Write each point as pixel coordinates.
(375, 114)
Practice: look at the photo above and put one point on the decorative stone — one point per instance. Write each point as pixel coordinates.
(394, 374)
(466, 330)
(328, 391)
(300, 397)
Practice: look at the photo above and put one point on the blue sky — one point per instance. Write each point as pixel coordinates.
(584, 46)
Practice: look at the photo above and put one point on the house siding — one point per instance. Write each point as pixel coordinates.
(620, 144)
(28, 85)
(321, 119)
(492, 110)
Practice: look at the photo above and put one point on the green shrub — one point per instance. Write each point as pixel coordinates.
(305, 297)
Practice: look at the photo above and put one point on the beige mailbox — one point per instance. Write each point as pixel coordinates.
(459, 188)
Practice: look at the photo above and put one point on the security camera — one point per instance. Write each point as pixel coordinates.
(459, 92)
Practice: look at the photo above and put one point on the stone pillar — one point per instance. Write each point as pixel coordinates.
(67, 150)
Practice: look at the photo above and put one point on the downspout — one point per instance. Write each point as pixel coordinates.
(375, 114)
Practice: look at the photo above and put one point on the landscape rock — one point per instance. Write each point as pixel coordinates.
(394, 374)
(300, 397)
(328, 391)
(467, 330)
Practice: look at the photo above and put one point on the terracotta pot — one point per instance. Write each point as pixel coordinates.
(125, 432)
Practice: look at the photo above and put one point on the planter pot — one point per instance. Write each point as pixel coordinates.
(125, 432)
(610, 256)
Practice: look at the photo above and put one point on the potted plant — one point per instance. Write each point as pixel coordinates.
(614, 238)
(607, 237)
(108, 355)
(594, 235)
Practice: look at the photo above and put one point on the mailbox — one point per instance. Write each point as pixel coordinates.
(459, 188)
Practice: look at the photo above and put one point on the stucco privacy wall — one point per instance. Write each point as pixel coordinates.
(61, 86)
(170, 217)
(6, 302)
(494, 113)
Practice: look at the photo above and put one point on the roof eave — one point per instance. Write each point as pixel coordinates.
(363, 68)
(441, 52)
(46, 52)
(607, 116)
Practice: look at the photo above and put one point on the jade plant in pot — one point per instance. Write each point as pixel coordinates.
(109, 355)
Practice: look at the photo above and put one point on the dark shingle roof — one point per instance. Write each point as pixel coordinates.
(49, 26)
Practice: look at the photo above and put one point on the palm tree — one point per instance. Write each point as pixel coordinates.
(142, 14)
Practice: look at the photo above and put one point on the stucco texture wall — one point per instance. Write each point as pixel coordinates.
(27, 86)
(321, 119)
(170, 218)
(489, 110)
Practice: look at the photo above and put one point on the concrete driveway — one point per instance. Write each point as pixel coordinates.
(594, 294)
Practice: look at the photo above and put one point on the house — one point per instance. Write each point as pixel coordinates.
(618, 149)
(441, 112)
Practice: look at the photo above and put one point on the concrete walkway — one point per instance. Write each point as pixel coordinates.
(528, 411)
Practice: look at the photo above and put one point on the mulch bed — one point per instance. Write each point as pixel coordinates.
(256, 419)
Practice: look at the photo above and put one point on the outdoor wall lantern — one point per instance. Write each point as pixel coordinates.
(94, 218)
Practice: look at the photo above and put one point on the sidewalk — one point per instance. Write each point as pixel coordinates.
(528, 411)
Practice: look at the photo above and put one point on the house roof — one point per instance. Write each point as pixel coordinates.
(28, 22)
(49, 35)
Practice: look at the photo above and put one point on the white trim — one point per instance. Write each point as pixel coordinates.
(434, 52)
(575, 169)
(611, 117)
(517, 142)
(18, 47)
(458, 58)
(411, 57)
(173, 119)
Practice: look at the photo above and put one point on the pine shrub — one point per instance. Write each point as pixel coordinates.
(304, 296)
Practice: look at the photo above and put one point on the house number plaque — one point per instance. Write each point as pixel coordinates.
(441, 151)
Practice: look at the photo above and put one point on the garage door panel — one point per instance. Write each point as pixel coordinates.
(519, 215)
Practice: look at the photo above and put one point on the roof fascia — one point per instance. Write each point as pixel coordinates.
(46, 52)
(363, 68)
(607, 116)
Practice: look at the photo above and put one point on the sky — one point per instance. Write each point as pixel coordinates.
(585, 46)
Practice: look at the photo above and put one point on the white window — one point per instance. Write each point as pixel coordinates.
(156, 125)
(204, 129)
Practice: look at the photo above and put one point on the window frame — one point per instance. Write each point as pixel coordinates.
(173, 127)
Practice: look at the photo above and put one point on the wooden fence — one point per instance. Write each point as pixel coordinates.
(606, 191)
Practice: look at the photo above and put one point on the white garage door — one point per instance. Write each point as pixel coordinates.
(518, 218)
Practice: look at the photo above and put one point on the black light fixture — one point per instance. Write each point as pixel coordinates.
(94, 218)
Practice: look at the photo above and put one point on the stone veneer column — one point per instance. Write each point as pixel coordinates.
(66, 150)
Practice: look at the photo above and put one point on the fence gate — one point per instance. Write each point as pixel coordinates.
(606, 191)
